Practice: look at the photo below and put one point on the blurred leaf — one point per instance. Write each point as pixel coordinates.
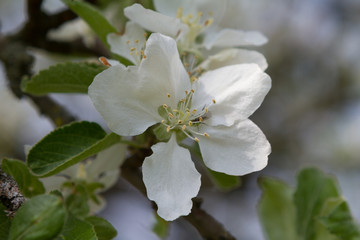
(161, 133)
(92, 16)
(336, 217)
(161, 227)
(29, 185)
(4, 223)
(67, 146)
(276, 210)
(68, 77)
(77, 201)
(40, 218)
(104, 230)
(76, 229)
(224, 181)
(313, 190)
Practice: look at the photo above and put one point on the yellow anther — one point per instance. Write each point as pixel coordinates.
(213, 101)
(132, 49)
(183, 127)
(142, 53)
(165, 106)
(208, 22)
(186, 64)
(144, 56)
(163, 121)
(194, 111)
(189, 73)
(180, 122)
(200, 119)
(192, 90)
(193, 78)
(190, 123)
(206, 135)
(179, 13)
(128, 42)
(182, 100)
(145, 34)
(175, 110)
(186, 92)
(206, 110)
(168, 129)
(196, 139)
(104, 61)
(171, 115)
(168, 95)
(136, 41)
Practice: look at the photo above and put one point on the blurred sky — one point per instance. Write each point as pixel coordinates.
(311, 115)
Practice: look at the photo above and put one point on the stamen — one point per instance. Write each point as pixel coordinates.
(190, 123)
(183, 127)
(165, 106)
(180, 122)
(168, 129)
(104, 61)
(128, 42)
(194, 111)
(171, 115)
(163, 121)
(168, 95)
(137, 41)
(132, 49)
(206, 135)
(208, 22)
(196, 139)
(186, 92)
(192, 90)
(206, 110)
(200, 119)
(213, 101)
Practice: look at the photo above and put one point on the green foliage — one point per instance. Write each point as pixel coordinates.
(4, 223)
(161, 227)
(276, 210)
(77, 201)
(161, 133)
(68, 77)
(314, 211)
(97, 22)
(223, 181)
(76, 228)
(104, 230)
(29, 184)
(40, 218)
(68, 145)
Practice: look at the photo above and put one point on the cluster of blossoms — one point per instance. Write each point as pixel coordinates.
(189, 80)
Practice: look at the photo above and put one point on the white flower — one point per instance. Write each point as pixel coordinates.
(212, 110)
(200, 27)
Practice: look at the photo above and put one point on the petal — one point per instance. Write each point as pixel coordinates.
(237, 89)
(163, 72)
(123, 45)
(234, 56)
(171, 179)
(154, 21)
(115, 96)
(236, 150)
(232, 38)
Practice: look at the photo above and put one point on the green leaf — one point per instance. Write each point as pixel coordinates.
(336, 217)
(161, 227)
(77, 201)
(276, 210)
(68, 77)
(313, 190)
(40, 218)
(224, 181)
(104, 230)
(68, 145)
(76, 229)
(29, 184)
(93, 17)
(161, 133)
(4, 223)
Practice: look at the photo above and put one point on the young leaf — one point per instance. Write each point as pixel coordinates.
(313, 190)
(276, 210)
(68, 145)
(75, 228)
(41, 218)
(161, 227)
(93, 17)
(77, 201)
(104, 230)
(68, 77)
(224, 181)
(336, 217)
(29, 184)
(4, 223)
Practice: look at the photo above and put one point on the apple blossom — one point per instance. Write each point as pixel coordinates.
(212, 109)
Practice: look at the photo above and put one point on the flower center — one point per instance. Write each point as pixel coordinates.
(184, 118)
(196, 27)
(136, 48)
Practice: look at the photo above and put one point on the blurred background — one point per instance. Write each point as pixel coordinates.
(311, 115)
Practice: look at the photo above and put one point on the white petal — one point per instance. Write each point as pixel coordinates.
(236, 150)
(237, 89)
(162, 70)
(233, 38)
(171, 179)
(154, 21)
(133, 38)
(115, 96)
(234, 56)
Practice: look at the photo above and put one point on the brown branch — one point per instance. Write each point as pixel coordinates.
(10, 195)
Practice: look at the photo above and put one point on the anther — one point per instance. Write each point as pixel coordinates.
(196, 139)
(192, 90)
(168, 95)
(200, 119)
(194, 111)
(171, 115)
(132, 49)
(186, 92)
(104, 61)
(180, 122)
(168, 129)
(165, 106)
(183, 127)
(193, 78)
(213, 101)
(208, 22)
(206, 110)
(137, 41)
(163, 121)
(128, 42)
(175, 110)
(206, 135)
